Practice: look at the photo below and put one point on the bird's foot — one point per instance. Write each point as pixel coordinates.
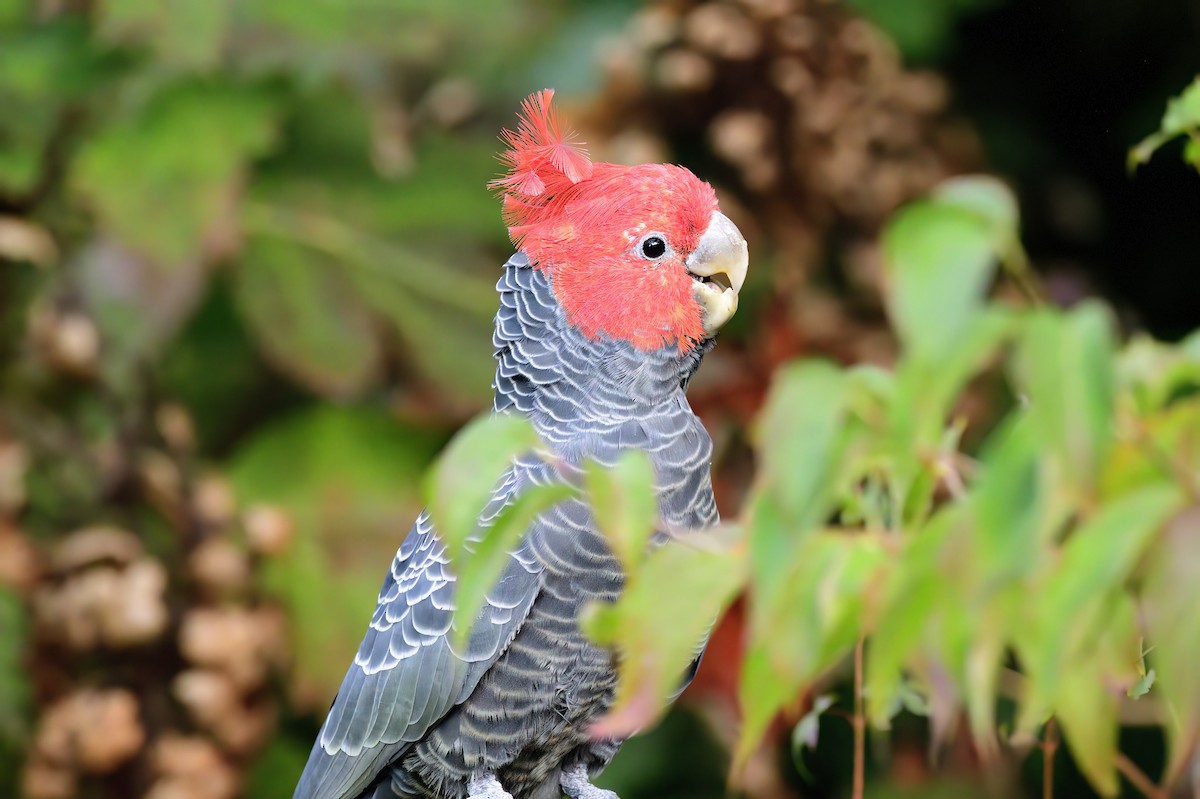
(578, 785)
(486, 786)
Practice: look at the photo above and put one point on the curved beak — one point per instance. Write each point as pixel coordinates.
(718, 265)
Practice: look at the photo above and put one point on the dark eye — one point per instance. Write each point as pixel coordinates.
(653, 247)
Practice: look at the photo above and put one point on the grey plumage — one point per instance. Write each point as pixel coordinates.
(417, 718)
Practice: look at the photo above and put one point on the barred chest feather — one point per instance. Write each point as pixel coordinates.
(530, 713)
(598, 398)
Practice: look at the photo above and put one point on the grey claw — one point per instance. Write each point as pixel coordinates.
(486, 786)
(592, 792)
(578, 785)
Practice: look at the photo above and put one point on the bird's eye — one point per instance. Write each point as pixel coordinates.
(653, 246)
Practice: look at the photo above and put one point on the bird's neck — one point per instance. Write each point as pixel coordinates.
(562, 379)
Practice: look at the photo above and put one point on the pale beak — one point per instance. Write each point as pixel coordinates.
(718, 265)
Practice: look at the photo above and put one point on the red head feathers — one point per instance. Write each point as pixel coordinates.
(613, 239)
(541, 160)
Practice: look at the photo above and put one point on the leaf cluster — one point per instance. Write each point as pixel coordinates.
(154, 149)
(1052, 564)
(1049, 560)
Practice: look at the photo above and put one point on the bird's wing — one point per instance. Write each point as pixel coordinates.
(406, 675)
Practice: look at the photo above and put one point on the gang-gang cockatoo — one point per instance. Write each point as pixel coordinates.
(622, 277)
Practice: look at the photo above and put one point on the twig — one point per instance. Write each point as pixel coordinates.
(1016, 264)
(1049, 747)
(860, 725)
(1138, 779)
(52, 166)
(948, 472)
(1169, 464)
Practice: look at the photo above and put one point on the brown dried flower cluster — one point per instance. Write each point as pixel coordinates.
(67, 339)
(106, 593)
(191, 767)
(87, 732)
(808, 105)
(153, 656)
(813, 131)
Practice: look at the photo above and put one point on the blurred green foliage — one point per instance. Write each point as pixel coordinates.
(277, 212)
(14, 691)
(277, 142)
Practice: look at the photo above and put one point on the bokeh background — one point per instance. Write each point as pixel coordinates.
(247, 258)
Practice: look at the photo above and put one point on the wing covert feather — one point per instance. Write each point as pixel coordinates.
(406, 675)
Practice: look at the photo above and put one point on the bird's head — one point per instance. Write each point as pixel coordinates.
(639, 253)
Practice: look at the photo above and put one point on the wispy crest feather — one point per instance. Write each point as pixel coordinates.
(543, 162)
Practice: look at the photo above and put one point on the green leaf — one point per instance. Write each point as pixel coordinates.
(916, 588)
(913, 700)
(1011, 511)
(928, 390)
(624, 504)
(1087, 712)
(805, 733)
(187, 34)
(439, 311)
(47, 71)
(51, 63)
(980, 641)
(987, 197)
(309, 322)
(1173, 629)
(1168, 448)
(808, 625)
(451, 348)
(763, 691)
(1183, 112)
(463, 481)
(1142, 686)
(322, 40)
(1155, 374)
(801, 443)
(940, 255)
(404, 273)
(477, 574)
(447, 344)
(1066, 369)
(925, 395)
(1181, 117)
(659, 623)
(1096, 560)
(801, 440)
(426, 204)
(167, 178)
(1191, 151)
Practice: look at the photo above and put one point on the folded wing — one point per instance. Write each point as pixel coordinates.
(406, 675)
